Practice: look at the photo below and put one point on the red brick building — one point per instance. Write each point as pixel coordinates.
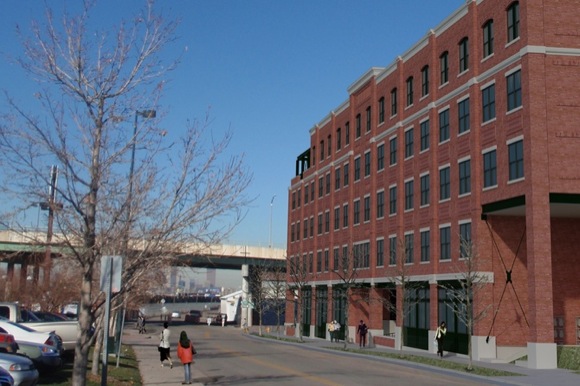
(473, 134)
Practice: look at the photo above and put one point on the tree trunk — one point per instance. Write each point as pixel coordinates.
(83, 343)
(97, 352)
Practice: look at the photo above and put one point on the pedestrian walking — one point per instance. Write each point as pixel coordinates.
(330, 327)
(164, 345)
(185, 353)
(208, 320)
(336, 330)
(440, 338)
(362, 333)
(141, 324)
(245, 326)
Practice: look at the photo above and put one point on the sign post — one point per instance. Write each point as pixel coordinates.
(111, 267)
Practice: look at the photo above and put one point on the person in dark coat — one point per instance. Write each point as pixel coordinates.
(440, 337)
(362, 333)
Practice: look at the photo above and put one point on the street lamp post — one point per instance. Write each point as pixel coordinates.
(271, 205)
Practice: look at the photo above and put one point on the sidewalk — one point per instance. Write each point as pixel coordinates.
(145, 347)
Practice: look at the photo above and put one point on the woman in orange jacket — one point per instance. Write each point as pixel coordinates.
(185, 352)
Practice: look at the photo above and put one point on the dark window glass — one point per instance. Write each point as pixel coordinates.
(393, 200)
(380, 252)
(380, 204)
(465, 177)
(444, 184)
(358, 126)
(425, 81)
(425, 135)
(513, 21)
(514, 90)
(409, 91)
(346, 134)
(463, 55)
(463, 115)
(488, 38)
(465, 240)
(425, 246)
(393, 151)
(356, 212)
(367, 164)
(368, 119)
(394, 102)
(357, 169)
(381, 157)
(445, 243)
(489, 169)
(367, 209)
(425, 190)
(382, 110)
(444, 125)
(444, 67)
(409, 248)
(409, 141)
(409, 195)
(488, 103)
(516, 160)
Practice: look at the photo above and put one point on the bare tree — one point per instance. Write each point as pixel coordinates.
(469, 286)
(408, 289)
(276, 287)
(258, 289)
(347, 273)
(91, 83)
(298, 274)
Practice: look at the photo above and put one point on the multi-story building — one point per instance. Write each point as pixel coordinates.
(471, 137)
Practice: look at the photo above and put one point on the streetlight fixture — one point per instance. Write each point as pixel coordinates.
(271, 204)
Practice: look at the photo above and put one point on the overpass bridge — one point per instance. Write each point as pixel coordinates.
(20, 251)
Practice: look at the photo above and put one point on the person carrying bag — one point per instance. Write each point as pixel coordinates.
(185, 352)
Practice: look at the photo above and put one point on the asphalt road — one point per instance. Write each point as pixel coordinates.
(227, 357)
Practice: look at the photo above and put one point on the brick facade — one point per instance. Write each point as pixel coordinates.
(523, 224)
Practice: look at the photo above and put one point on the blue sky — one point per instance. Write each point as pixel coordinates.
(269, 70)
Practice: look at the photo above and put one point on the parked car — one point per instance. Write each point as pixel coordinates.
(194, 316)
(27, 334)
(8, 343)
(44, 316)
(20, 368)
(46, 358)
(5, 378)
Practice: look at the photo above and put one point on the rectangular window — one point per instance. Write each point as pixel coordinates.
(381, 204)
(321, 187)
(367, 163)
(321, 151)
(368, 119)
(298, 230)
(338, 138)
(381, 110)
(345, 174)
(465, 177)
(465, 240)
(311, 227)
(463, 115)
(425, 135)
(393, 200)
(444, 126)
(327, 221)
(358, 126)
(367, 209)
(319, 261)
(335, 256)
(513, 21)
(425, 246)
(336, 218)
(488, 38)
(514, 90)
(445, 243)
(444, 183)
(393, 102)
(320, 223)
(347, 134)
(393, 250)
(425, 81)
(337, 174)
(463, 55)
(488, 103)
(312, 186)
(409, 248)
(327, 177)
(393, 151)
(381, 156)
(409, 195)
(326, 260)
(425, 190)
(357, 169)
(409, 91)
(356, 213)
(489, 169)
(298, 196)
(380, 252)
(306, 198)
(444, 67)
(345, 216)
(516, 160)
(409, 141)
(293, 200)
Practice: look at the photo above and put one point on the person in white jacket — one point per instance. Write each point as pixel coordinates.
(164, 345)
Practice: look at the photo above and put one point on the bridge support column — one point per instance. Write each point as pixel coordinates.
(246, 296)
